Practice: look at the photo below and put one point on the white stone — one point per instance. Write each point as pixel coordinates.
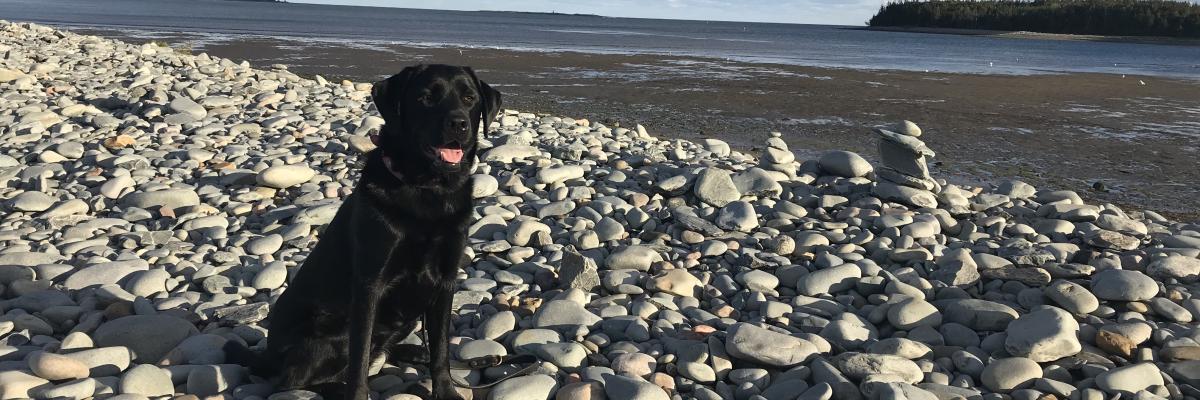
(1122, 285)
(149, 337)
(751, 343)
(845, 164)
(633, 257)
(1130, 378)
(147, 380)
(1043, 335)
(56, 367)
(1006, 374)
(715, 187)
(531, 387)
(829, 280)
(1183, 268)
(285, 176)
(559, 174)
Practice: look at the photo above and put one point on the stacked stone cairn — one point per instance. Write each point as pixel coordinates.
(905, 176)
(778, 158)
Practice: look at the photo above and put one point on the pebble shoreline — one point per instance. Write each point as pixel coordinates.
(155, 204)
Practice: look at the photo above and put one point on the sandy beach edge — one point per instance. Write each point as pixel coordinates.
(1160, 40)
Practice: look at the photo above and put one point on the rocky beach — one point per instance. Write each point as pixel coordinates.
(155, 203)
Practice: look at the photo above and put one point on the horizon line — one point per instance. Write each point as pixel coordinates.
(314, 2)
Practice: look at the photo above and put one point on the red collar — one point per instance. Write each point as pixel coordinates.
(387, 160)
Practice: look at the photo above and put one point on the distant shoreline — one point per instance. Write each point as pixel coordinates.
(544, 13)
(1038, 35)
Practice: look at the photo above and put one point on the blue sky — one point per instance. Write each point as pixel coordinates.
(839, 12)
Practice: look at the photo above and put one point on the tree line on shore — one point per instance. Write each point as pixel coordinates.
(1087, 17)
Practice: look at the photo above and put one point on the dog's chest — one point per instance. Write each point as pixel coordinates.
(409, 298)
(423, 264)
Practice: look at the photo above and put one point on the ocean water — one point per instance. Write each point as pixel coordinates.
(809, 45)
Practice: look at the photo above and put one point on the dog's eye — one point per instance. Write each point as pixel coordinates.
(469, 98)
(425, 98)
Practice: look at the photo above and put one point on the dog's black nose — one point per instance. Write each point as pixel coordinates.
(458, 124)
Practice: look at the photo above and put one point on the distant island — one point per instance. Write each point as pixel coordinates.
(543, 13)
(1165, 18)
(262, 1)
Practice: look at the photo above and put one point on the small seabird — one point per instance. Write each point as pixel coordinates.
(1143, 83)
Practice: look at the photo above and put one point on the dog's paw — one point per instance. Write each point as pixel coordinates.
(329, 390)
(444, 391)
(409, 353)
(361, 394)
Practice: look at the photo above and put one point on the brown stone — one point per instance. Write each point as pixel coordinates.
(119, 142)
(725, 311)
(678, 282)
(573, 378)
(1115, 343)
(639, 199)
(663, 381)
(691, 237)
(581, 391)
(266, 192)
(504, 302)
(56, 367)
(1112, 240)
(529, 306)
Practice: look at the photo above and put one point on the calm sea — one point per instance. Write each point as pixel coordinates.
(810, 45)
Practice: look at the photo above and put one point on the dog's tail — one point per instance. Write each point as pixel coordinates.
(260, 364)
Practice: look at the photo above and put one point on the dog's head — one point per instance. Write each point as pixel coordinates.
(433, 114)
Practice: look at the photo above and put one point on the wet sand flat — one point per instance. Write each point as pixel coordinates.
(1136, 138)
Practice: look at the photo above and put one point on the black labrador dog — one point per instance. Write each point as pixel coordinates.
(391, 255)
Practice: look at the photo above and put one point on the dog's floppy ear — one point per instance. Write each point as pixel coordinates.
(490, 98)
(386, 93)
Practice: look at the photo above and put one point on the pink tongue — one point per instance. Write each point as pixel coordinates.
(453, 156)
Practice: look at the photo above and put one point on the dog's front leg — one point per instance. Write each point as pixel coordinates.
(364, 301)
(438, 318)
